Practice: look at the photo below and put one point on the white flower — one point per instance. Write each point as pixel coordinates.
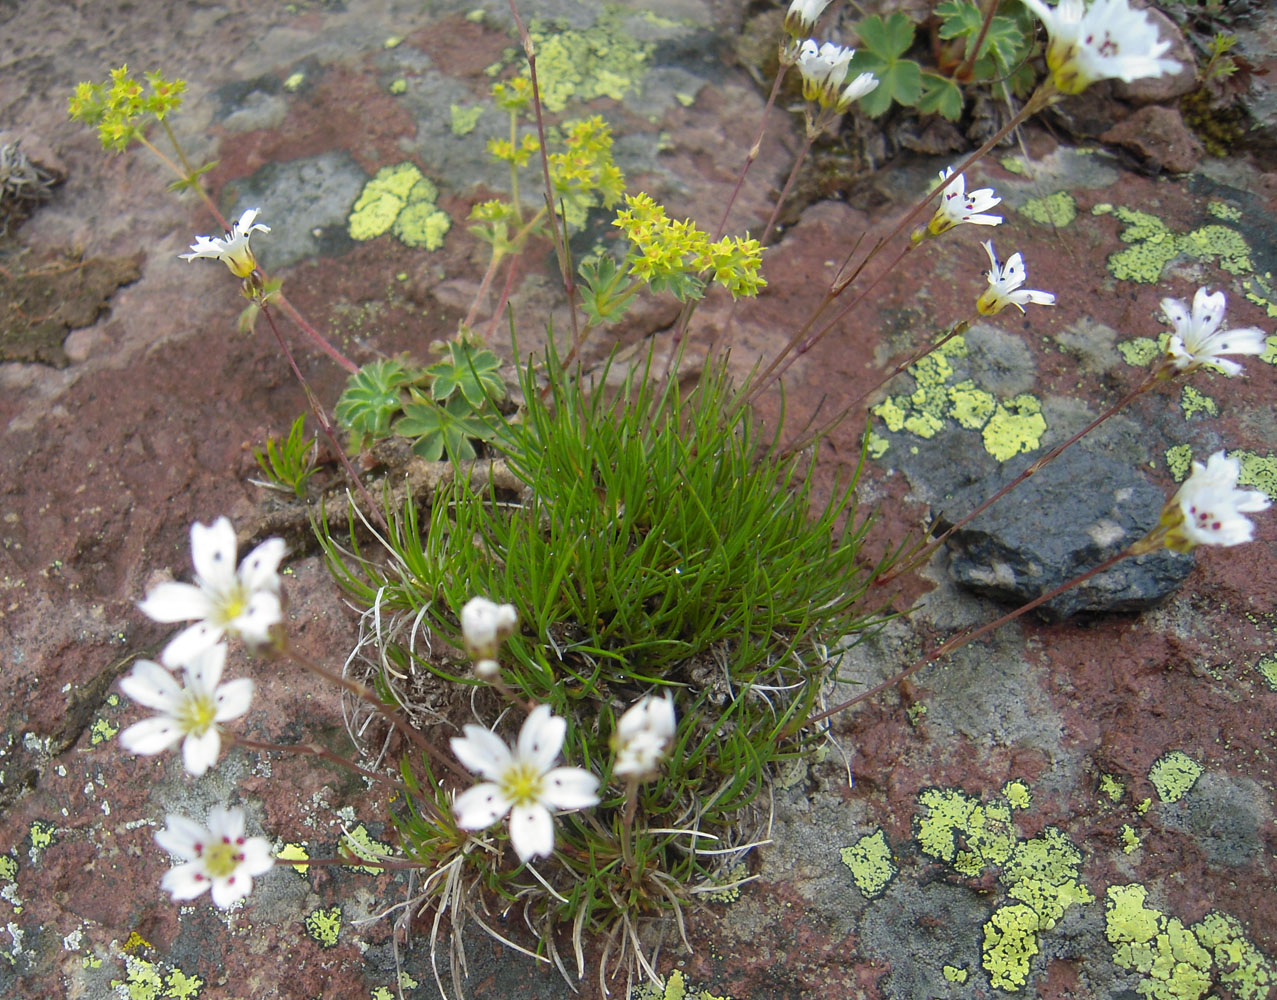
(484, 626)
(802, 16)
(220, 857)
(1004, 285)
(957, 206)
(233, 248)
(855, 90)
(1208, 508)
(824, 71)
(191, 713)
(1106, 39)
(521, 783)
(226, 602)
(1197, 339)
(643, 734)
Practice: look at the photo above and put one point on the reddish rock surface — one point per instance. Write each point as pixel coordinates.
(105, 463)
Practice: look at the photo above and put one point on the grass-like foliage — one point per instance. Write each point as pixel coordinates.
(288, 463)
(658, 544)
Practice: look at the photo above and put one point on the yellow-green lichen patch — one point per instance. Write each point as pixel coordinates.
(146, 981)
(1267, 667)
(8, 868)
(41, 837)
(1017, 794)
(1179, 459)
(324, 925)
(1043, 874)
(1153, 245)
(1139, 351)
(963, 831)
(401, 201)
(1225, 211)
(102, 730)
(729, 880)
(1193, 402)
(877, 444)
(1239, 965)
(1174, 774)
(464, 120)
(1017, 426)
(1262, 290)
(398, 86)
(955, 974)
(1130, 839)
(1010, 942)
(871, 864)
(1112, 787)
(1259, 471)
(971, 407)
(358, 843)
(1270, 351)
(1014, 165)
(294, 82)
(1179, 962)
(603, 61)
(294, 852)
(1056, 210)
(675, 987)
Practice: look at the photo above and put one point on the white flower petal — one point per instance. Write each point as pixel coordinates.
(186, 881)
(190, 643)
(531, 832)
(229, 890)
(151, 736)
(200, 750)
(260, 568)
(182, 837)
(233, 699)
(482, 751)
(571, 788)
(213, 553)
(258, 859)
(541, 737)
(479, 807)
(175, 602)
(149, 684)
(203, 671)
(262, 613)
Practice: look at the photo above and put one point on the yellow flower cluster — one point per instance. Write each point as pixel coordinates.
(115, 108)
(585, 168)
(675, 256)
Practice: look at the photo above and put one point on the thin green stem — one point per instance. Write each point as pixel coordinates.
(315, 750)
(923, 554)
(321, 416)
(957, 642)
(366, 694)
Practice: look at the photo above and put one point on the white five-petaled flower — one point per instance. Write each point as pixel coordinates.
(1105, 40)
(1198, 340)
(643, 735)
(232, 249)
(219, 857)
(958, 206)
(225, 601)
(802, 16)
(484, 626)
(1004, 285)
(824, 71)
(191, 713)
(521, 782)
(1208, 508)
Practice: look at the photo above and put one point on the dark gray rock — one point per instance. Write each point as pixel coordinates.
(1076, 512)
